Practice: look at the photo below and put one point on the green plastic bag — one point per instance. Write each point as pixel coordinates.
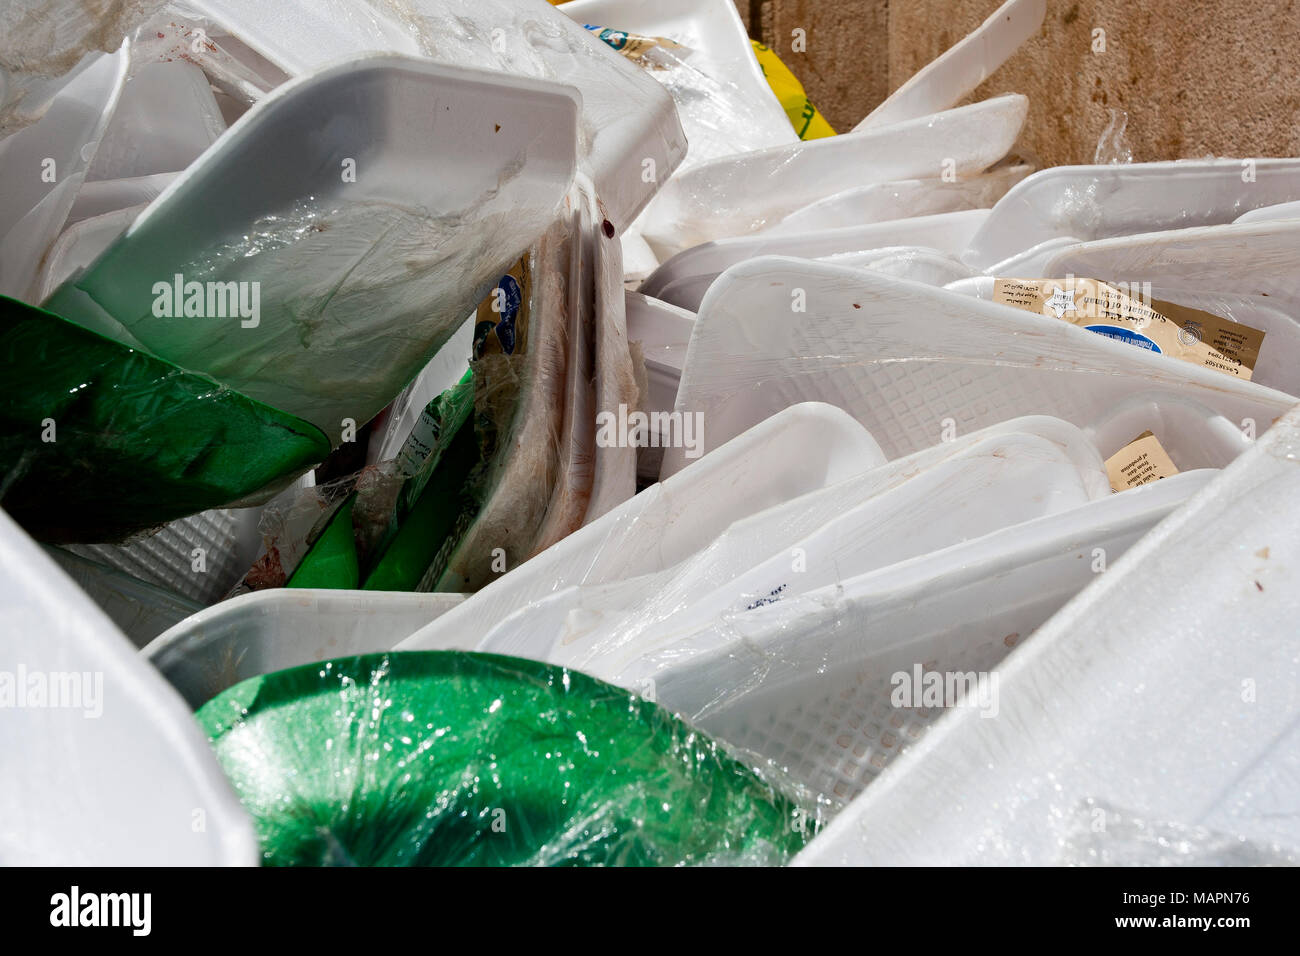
(430, 502)
(449, 758)
(98, 440)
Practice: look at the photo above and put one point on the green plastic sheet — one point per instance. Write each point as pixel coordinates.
(332, 561)
(451, 758)
(98, 440)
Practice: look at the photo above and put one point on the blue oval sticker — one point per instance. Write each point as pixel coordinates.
(1127, 336)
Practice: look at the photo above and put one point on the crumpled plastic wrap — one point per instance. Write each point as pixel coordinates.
(101, 441)
(449, 758)
(1107, 836)
(1112, 146)
(519, 414)
(42, 41)
(428, 490)
(289, 527)
(720, 117)
(61, 145)
(537, 402)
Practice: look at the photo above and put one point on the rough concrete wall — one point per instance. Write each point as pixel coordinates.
(844, 67)
(1195, 76)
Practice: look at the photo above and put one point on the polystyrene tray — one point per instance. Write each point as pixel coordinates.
(140, 609)
(662, 332)
(1167, 689)
(1282, 210)
(685, 278)
(742, 194)
(110, 195)
(907, 262)
(911, 361)
(775, 555)
(110, 769)
(1097, 202)
(267, 631)
(166, 117)
(808, 683)
(1257, 258)
(81, 244)
(903, 199)
(801, 449)
(627, 118)
(346, 272)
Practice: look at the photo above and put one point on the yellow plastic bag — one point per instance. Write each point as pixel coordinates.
(805, 119)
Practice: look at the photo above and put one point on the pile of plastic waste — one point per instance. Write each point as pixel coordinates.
(443, 432)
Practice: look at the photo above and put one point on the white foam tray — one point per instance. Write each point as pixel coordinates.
(907, 262)
(253, 194)
(1168, 688)
(907, 360)
(165, 118)
(1098, 202)
(1256, 258)
(81, 244)
(128, 780)
(893, 513)
(627, 117)
(1282, 210)
(686, 277)
(742, 194)
(267, 631)
(663, 331)
(902, 199)
(109, 195)
(800, 450)
(807, 683)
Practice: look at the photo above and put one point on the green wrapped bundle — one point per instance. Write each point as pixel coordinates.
(440, 758)
(98, 440)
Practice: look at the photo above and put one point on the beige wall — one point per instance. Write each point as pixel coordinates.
(1196, 76)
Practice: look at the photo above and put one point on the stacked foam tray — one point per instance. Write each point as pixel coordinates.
(876, 544)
